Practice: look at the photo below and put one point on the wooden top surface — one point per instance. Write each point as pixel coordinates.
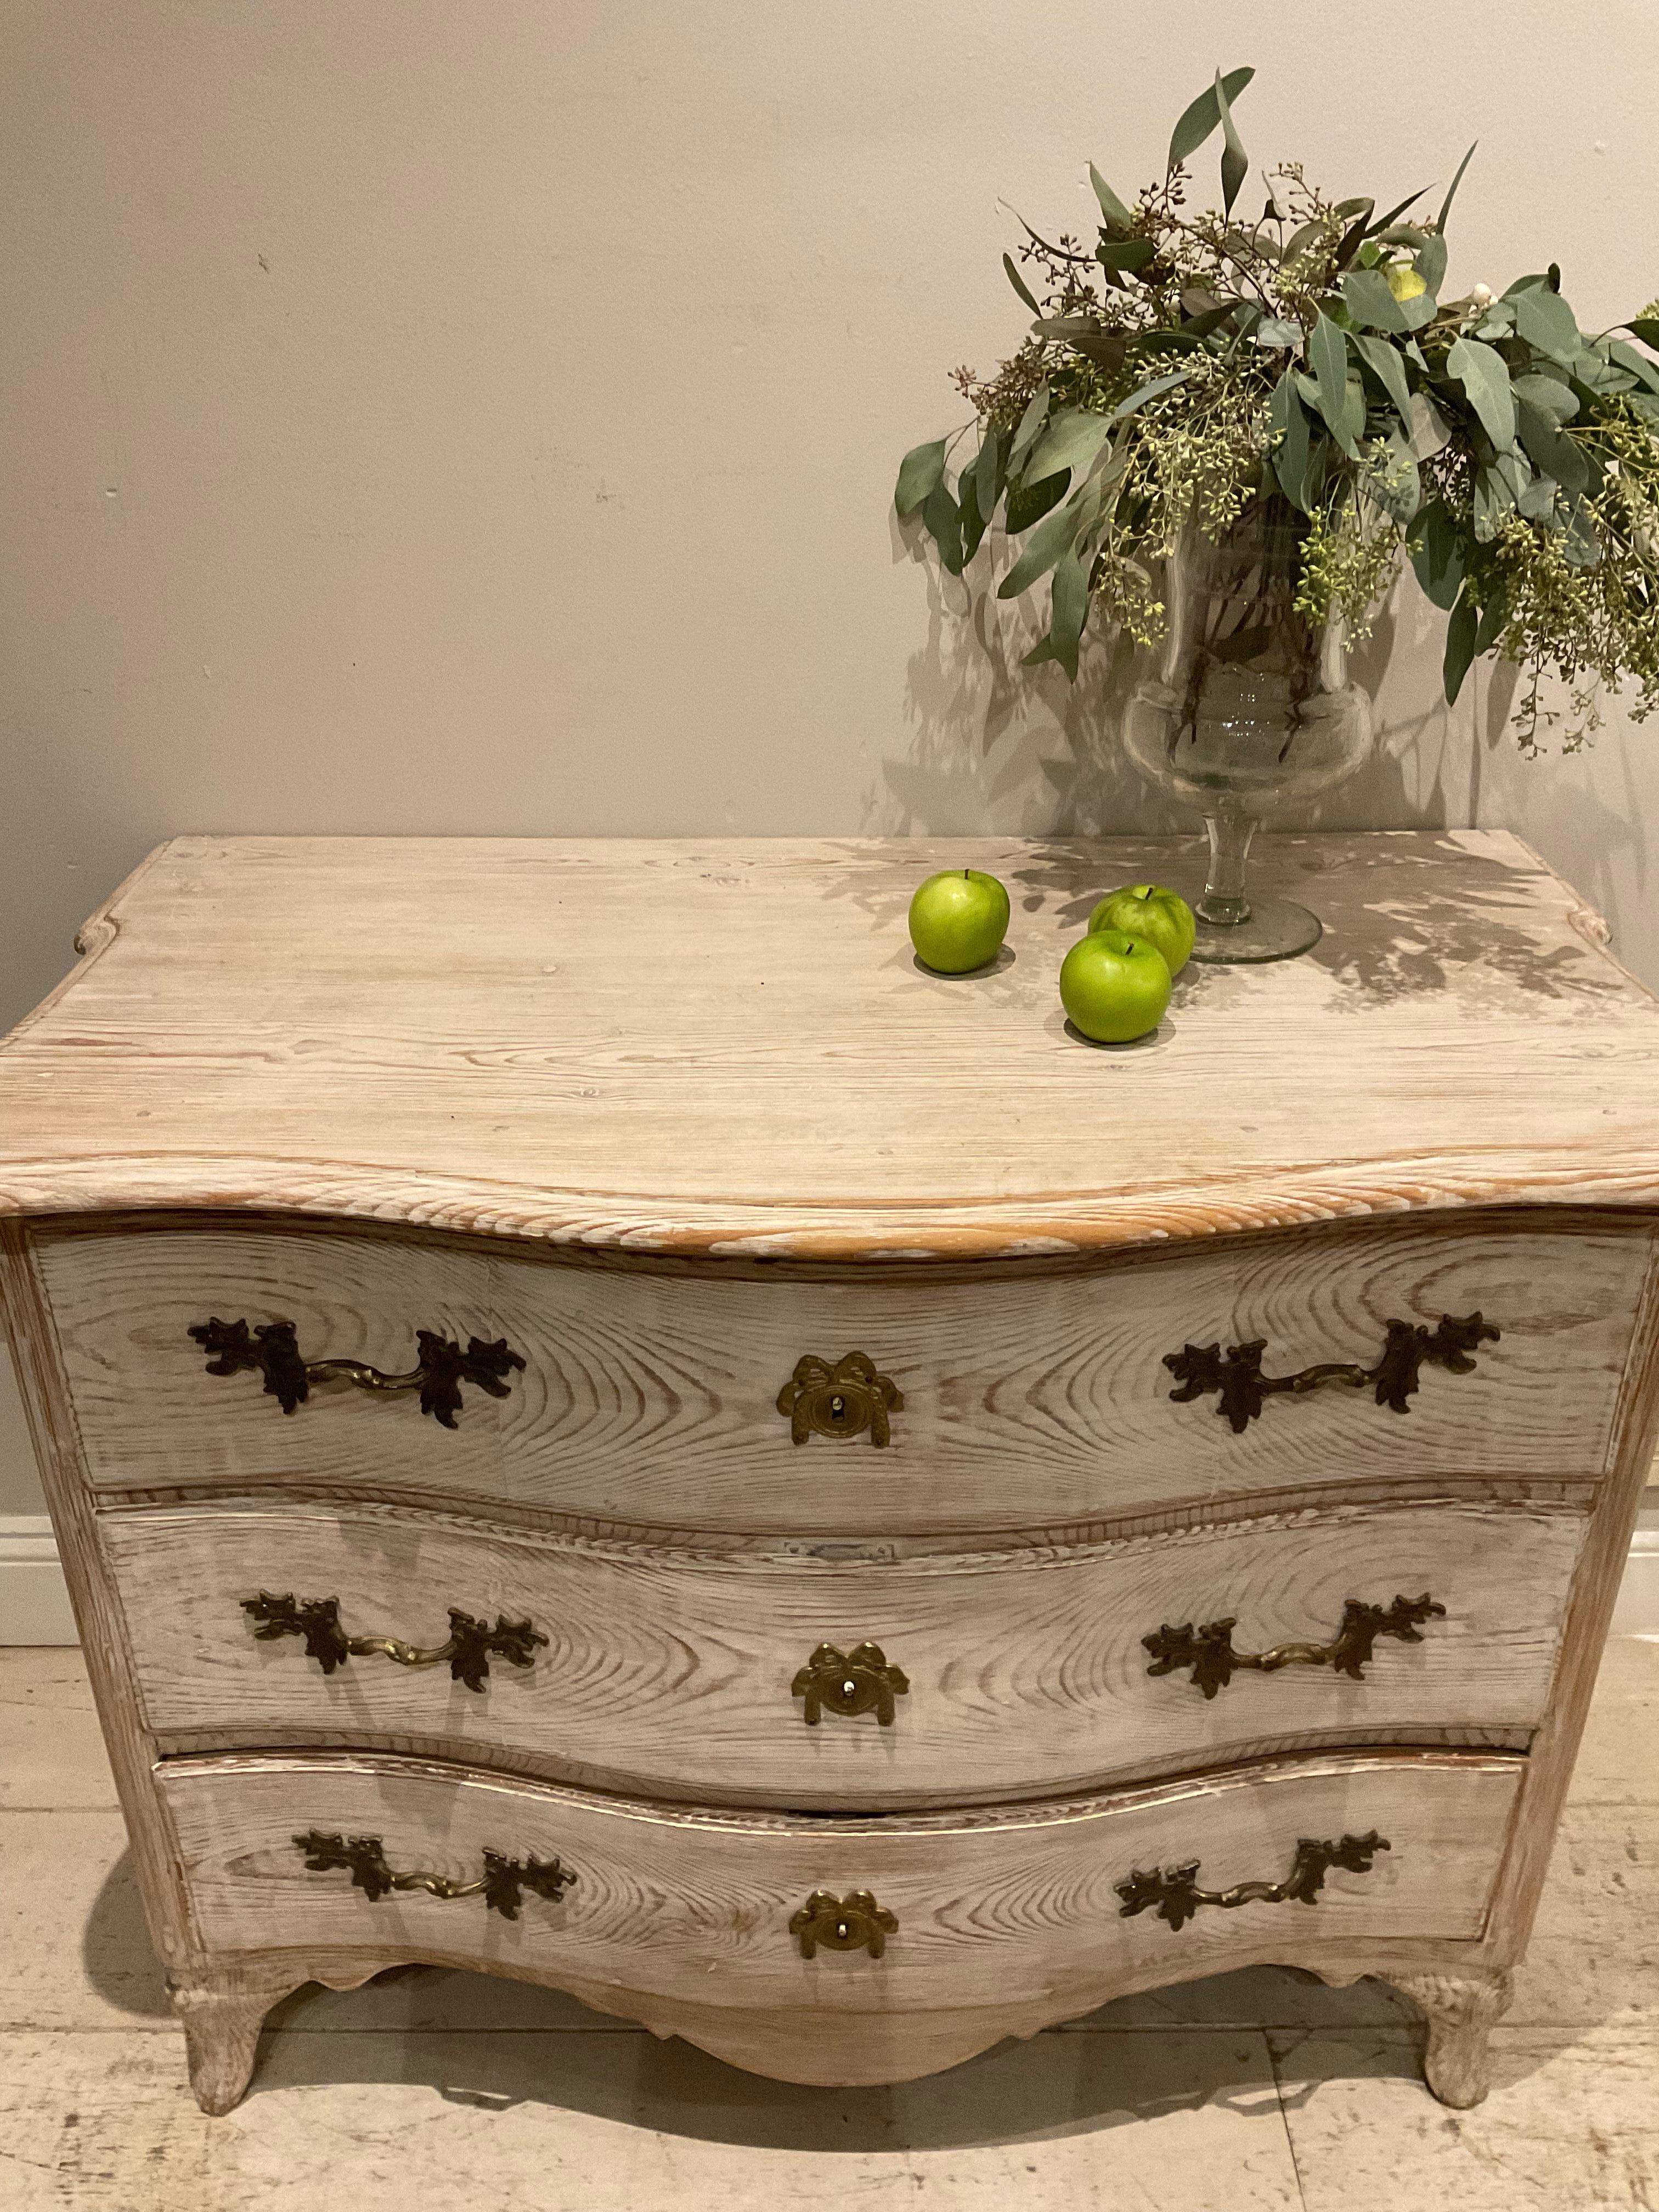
(727, 1046)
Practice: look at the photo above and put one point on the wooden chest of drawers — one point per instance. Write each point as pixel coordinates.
(607, 1427)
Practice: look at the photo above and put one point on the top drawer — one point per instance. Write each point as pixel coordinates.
(1032, 1394)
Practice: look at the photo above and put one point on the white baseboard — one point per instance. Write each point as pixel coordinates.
(1637, 1613)
(34, 1606)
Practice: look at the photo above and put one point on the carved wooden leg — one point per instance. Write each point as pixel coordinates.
(223, 2015)
(1462, 2010)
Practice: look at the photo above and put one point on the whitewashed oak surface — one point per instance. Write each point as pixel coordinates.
(670, 1673)
(727, 1046)
(1033, 1393)
(590, 1095)
(1013, 1913)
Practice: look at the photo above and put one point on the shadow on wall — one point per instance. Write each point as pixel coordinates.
(999, 749)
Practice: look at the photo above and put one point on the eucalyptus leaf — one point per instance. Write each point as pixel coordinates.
(1536, 501)
(1029, 430)
(1394, 484)
(1235, 162)
(1124, 253)
(1052, 537)
(1597, 372)
(988, 477)
(1445, 205)
(1583, 540)
(1211, 320)
(1276, 335)
(1493, 616)
(1461, 634)
(1495, 496)
(1327, 356)
(1068, 610)
(1028, 502)
(1298, 241)
(1485, 377)
(1547, 395)
(1646, 328)
(1439, 554)
(970, 517)
(921, 472)
(1290, 457)
(1019, 284)
(1387, 221)
(943, 518)
(1547, 324)
(1071, 440)
(1202, 119)
(1111, 206)
(1548, 448)
(1431, 262)
(1385, 363)
(1137, 398)
(1431, 431)
(1372, 303)
(1639, 366)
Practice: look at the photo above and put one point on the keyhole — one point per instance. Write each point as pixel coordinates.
(837, 1409)
(842, 1929)
(847, 1689)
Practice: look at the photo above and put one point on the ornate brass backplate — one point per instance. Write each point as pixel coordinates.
(469, 1648)
(501, 1884)
(1208, 1650)
(272, 1349)
(849, 1683)
(1172, 1891)
(843, 1400)
(853, 1923)
(1242, 1389)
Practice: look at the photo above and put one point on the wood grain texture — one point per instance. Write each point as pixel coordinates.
(1033, 1395)
(1009, 1915)
(288, 1023)
(1462, 2010)
(98, 1612)
(664, 1669)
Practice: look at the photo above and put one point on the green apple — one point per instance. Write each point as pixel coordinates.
(958, 919)
(1115, 986)
(1162, 917)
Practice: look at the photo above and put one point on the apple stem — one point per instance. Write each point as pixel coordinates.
(966, 873)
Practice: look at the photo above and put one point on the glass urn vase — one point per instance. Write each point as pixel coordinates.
(1242, 706)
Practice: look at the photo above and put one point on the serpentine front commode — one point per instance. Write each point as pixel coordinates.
(915, 1526)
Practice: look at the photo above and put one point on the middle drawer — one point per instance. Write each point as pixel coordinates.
(692, 1674)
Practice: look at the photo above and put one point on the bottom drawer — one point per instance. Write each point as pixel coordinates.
(744, 1932)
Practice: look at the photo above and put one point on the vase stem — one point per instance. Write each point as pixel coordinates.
(1224, 904)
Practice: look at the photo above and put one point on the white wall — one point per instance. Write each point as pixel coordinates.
(482, 415)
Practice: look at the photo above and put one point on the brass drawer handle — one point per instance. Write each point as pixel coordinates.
(1176, 1895)
(469, 1647)
(854, 1922)
(849, 1683)
(1208, 1650)
(1242, 1389)
(501, 1884)
(272, 1351)
(843, 1400)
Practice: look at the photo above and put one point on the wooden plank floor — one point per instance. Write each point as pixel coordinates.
(1250, 2091)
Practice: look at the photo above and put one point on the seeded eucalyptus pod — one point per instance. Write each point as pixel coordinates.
(1198, 370)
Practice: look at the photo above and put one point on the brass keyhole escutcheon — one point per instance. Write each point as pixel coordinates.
(853, 1923)
(849, 1683)
(841, 1400)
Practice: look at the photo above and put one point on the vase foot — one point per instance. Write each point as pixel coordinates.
(1278, 929)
